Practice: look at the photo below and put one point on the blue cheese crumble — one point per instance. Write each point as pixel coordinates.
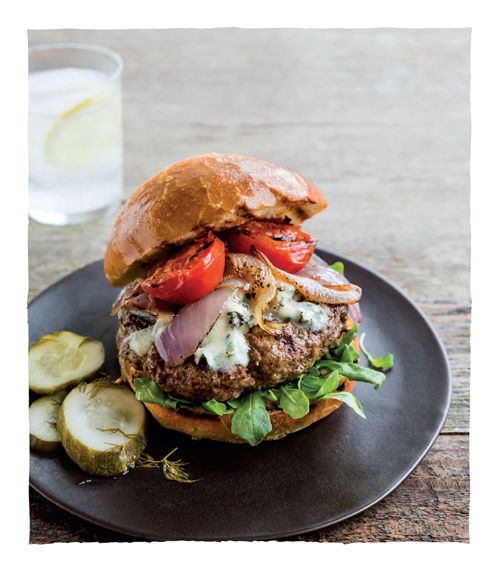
(225, 346)
(305, 314)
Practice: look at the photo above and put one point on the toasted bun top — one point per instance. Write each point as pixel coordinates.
(210, 191)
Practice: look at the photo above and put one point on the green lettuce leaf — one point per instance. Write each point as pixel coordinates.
(349, 399)
(148, 391)
(315, 388)
(270, 394)
(293, 402)
(355, 372)
(251, 421)
(216, 407)
(381, 362)
(349, 355)
(338, 266)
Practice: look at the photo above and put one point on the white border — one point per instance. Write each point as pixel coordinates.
(485, 182)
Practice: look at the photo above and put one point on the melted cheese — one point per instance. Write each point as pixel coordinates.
(141, 340)
(305, 314)
(225, 346)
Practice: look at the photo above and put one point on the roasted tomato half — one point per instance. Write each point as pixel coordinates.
(190, 274)
(286, 246)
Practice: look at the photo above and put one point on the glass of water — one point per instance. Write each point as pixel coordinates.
(74, 132)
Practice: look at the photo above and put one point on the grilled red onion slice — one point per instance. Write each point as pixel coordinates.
(312, 289)
(119, 298)
(262, 284)
(143, 301)
(319, 270)
(356, 312)
(125, 292)
(190, 326)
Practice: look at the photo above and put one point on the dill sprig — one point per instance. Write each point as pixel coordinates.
(114, 430)
(172, 469)
(98, 384)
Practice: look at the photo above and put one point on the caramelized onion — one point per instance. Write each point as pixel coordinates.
(231, 278)
(319, 270)
(314, 290)
(190, 326)
(262, 284)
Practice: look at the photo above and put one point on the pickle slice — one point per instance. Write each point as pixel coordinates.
(62, 359)
(102, 427)
(43, 415)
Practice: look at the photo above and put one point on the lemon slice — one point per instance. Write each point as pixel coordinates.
(62, 359)
(81, 137)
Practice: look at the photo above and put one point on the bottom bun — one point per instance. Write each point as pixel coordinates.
(201, 424)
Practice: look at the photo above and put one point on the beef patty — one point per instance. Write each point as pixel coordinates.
(272, 360)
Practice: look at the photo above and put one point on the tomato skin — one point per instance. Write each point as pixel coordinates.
(190, 274)
(286, 246)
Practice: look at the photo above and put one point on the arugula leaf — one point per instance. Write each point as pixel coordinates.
(330, 383)
(294, 402)
(308, 383)
(349, 399)
(270, 394)
(251, 421)
(345, 341)
(349, 335)
(148, 391)
(338, 266)
(355, 372)
(217, 407)
(349, 355)
(382, 362)
(315, 388)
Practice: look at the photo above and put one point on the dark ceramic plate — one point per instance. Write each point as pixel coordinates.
(333, 470)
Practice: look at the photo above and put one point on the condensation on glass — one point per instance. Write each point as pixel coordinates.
(75, 132)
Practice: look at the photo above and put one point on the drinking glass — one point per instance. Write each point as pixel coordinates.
(74, 132)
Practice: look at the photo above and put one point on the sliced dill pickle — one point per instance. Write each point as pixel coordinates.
(102, 427)
(43, 416)
(62, 359)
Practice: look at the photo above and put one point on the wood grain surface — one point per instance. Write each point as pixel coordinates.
(379, 120)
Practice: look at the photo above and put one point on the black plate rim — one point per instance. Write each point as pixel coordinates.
(320, 525)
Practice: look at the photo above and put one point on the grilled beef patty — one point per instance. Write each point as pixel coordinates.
(272, 360)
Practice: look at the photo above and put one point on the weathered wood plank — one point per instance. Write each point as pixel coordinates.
(452, 323)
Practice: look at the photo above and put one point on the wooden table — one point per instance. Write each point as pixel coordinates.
(379, 120)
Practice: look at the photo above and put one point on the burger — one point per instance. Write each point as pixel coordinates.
(230, 326)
